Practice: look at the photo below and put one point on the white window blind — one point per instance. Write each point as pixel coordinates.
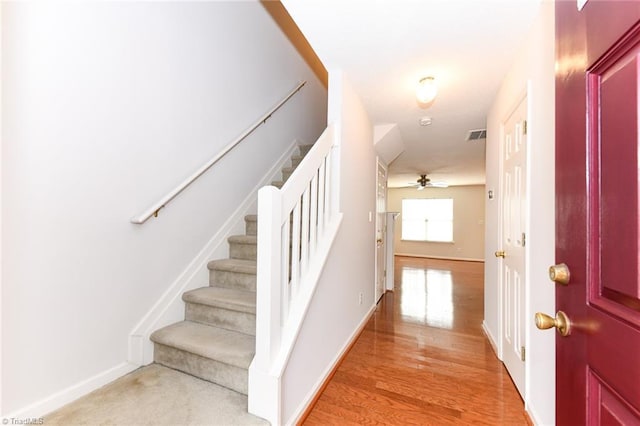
(427, 219)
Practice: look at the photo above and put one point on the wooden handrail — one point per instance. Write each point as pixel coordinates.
(156, 207)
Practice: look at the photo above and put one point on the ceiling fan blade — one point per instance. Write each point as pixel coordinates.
(439, 185)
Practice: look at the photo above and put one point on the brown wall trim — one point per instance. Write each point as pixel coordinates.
(295, 36)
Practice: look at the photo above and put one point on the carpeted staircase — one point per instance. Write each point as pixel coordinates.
(216, 341)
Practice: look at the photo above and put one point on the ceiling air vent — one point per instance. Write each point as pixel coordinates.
(475, 135)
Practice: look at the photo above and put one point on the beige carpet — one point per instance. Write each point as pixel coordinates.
(156, 395)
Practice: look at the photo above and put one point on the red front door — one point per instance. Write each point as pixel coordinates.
(598, 211)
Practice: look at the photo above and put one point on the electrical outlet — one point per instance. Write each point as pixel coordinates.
(360, 299)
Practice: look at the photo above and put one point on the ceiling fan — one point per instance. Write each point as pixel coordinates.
(424, 182)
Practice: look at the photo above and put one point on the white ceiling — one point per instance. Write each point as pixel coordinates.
(386, 46)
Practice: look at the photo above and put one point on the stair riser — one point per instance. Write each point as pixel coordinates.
(295, 162)
(286, 176)
(304, 149)
(235, 280)
(251, 228)
(229, 376)
(243, 251)
(241, 322)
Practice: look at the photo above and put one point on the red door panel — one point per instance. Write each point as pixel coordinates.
(613, 351)
(597, 211)
(606, 21)
(607, 407)
(616, 88)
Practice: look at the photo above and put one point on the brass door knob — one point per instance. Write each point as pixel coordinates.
(559, 273)
(500, 253)
(560, 322)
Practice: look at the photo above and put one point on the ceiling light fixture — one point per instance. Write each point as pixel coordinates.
(427, 90)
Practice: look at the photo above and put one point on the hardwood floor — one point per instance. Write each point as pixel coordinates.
(423, 359)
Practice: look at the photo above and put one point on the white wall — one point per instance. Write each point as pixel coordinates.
(106, 106)
(1, 287)
(468, 222)
(335, 314)
(533, 69)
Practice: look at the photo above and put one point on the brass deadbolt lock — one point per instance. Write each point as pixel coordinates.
(560, 273)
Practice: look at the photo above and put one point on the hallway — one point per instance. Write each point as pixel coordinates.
(422, 357)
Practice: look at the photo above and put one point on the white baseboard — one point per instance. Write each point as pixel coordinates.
(318, 385)
(65, 396)
(169, 308)
(532, 415)
(491, 339)
(425, 256)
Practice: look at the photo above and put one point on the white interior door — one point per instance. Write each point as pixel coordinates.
(381, 227)
(514, 210)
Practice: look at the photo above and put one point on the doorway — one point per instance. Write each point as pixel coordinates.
(513, 275)
(381, 229)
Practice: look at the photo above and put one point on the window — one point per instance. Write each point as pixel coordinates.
(427, 219)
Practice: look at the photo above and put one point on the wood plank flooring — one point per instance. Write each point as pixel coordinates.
(423, 359)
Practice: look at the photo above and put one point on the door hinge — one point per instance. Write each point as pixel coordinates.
(524, 127)
(524, 239)
(522, 354)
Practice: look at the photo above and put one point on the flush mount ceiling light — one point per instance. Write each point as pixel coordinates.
(427, 90)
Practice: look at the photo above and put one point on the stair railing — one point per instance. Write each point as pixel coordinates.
(296, 227)
(156, 207)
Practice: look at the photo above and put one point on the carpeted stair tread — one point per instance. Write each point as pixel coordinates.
(288, 169)
(304, 149)
(233, 265)
(226, 298)
(277, 183)
(295, 160)
(251, 218)
(243, 247)
(243, 239)
(228, 347)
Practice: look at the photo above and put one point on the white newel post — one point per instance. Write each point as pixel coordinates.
(295, 224)
(264, 387)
